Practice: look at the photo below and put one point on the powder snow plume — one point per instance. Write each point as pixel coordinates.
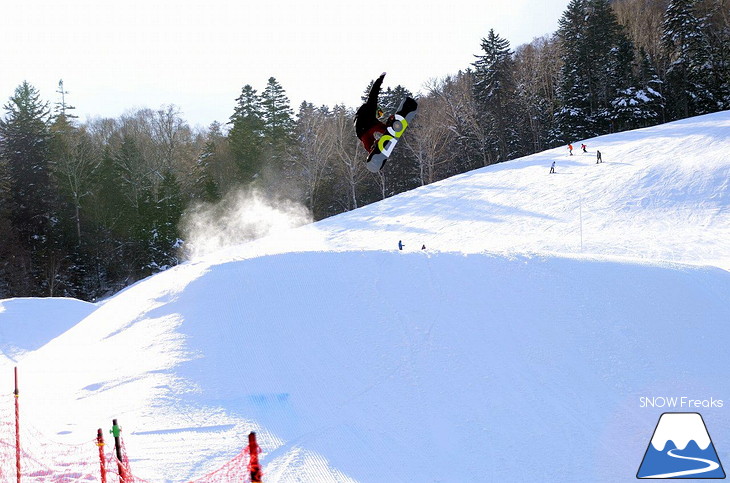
(240, 217)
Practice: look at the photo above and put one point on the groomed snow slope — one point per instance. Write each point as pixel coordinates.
(516, 347)
(26, 324)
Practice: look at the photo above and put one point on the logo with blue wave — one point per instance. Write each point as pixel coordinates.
(681, 448)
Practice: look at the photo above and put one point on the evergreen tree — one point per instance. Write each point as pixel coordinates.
(495, 93)
(621, 64)
(716, 27)
(247, 134)
(62, 109)
(574, 117)
(24, 144)
(13, 259)
(688, 79)
(278, 129)
(641, 105)
(277, 114)
(597, 67)
(163, 237)
(391, 98)
(112, 212)
(207, 188)
(217, 164)
(608, 63)
(133, 211)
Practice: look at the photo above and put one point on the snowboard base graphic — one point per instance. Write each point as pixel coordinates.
(384, 147)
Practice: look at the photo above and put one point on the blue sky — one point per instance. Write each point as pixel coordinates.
(124, 54)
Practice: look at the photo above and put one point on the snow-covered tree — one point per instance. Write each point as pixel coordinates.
(642, 104)
(495, 94)
(24, 145)
(246, 134)
(574, 116)
(277, 116)
(688, 77)
(597, 66)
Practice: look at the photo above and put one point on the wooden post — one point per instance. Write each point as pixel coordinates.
(17, 426)
(253, 452)
(102, 458)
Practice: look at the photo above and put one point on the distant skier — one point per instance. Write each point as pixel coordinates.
(598, 157)
(367, 125)
(583, 147)
(400, 245)
(552, 168)
(570, 148)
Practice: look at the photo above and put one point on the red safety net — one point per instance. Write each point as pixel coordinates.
(43, 460)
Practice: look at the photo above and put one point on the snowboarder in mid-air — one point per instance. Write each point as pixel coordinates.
(377, 137)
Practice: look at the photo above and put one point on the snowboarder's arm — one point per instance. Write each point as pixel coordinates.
(375, 90)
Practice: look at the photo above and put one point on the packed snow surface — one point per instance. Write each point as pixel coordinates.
(521, 344)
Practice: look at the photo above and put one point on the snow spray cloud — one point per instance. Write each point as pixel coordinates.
(240, 217)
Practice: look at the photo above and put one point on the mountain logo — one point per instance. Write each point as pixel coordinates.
(680, 448)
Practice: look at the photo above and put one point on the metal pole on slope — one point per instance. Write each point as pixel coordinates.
(17, 426)
(580, 210)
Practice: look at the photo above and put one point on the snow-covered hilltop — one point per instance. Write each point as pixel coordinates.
(680, 428)
(515, 347)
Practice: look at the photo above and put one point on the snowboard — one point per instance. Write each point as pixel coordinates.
(395, 129)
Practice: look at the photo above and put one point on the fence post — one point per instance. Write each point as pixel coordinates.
(253, 464)
(102, 458)
(117, 431)
(17, 426)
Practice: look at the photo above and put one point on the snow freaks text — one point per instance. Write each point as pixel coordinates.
(679, 402)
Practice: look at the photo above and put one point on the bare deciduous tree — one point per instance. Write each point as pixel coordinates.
(77, 159)
(537, 67)
(348, 155)
(315, 137)
(430, 140)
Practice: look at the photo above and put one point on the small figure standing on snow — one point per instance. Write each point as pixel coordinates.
(598, 157)
(583, 147)
(400, 245)
(570, 148)
(552, 168)
(367, 125)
